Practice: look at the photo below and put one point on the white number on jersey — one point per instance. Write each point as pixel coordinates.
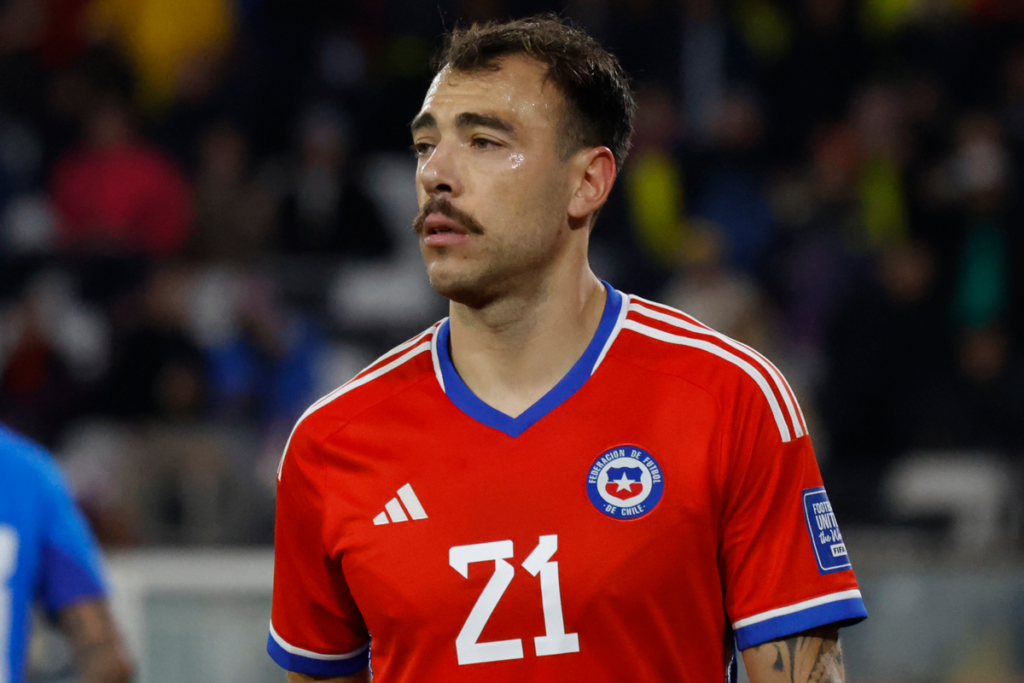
(8, 563)
(555, 641)
(470, 651)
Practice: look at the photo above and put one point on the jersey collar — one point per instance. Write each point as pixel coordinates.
(466, 401)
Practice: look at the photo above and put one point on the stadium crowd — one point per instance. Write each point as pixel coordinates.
(205, 210)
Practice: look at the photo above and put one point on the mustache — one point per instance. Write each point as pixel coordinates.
(444, 207)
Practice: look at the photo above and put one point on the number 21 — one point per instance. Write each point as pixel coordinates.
(555, 641)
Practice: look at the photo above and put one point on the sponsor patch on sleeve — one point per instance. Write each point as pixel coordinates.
(826, 539)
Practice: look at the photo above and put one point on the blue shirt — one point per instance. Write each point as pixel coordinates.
(47, 553)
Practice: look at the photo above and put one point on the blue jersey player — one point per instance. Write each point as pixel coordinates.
(48, 557)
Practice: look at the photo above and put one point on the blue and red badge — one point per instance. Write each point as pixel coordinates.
(625, 482)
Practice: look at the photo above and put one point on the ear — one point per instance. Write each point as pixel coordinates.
(594, 173)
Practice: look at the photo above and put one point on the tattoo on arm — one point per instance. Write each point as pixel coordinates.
(814, 656)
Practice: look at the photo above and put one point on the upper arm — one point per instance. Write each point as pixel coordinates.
(70, 566)
(814, 656)
(783, 563)
(316, 628)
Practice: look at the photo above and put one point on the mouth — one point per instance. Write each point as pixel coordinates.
(440, 231)
(439, 224)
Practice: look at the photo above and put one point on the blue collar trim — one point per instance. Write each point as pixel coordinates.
(466, 401)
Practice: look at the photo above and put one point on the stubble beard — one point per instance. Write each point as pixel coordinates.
(494, 269)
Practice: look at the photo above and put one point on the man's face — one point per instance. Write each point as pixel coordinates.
(493, 190)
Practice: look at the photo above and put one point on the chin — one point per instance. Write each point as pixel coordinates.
(470, 289)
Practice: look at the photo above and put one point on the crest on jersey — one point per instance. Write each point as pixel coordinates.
(625, 482)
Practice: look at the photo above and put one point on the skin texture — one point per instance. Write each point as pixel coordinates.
(814, 656)
(358, 677)
(524, 302)
(99, 653)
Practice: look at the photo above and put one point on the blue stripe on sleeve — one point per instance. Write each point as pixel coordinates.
(844, 612)
(316, 667)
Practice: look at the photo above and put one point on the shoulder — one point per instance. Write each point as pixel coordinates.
(669, 341)
(397, 370)
(26, 465)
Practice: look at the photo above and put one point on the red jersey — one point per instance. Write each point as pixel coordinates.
(659, 505)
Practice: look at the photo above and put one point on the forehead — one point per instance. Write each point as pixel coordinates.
(517, 89)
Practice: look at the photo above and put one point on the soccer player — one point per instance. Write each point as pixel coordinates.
(47, 555)
(558, 482)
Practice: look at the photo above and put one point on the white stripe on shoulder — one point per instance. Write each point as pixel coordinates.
(795, 414)
(358, 381)
(397, 350)
(798, 607)
(436, 358)
(623, 311)
(291, 649)
(716, 350)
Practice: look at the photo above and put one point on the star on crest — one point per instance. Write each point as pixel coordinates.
(624, 483)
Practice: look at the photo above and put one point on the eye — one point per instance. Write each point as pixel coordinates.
(421, 149)
(483, 143)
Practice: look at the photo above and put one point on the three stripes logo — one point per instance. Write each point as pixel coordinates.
(394, 512)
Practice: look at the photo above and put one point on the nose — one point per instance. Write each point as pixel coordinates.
(438, 172)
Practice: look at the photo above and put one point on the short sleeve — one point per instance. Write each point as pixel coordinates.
(315, 627)
(70, 565)
(784, 564)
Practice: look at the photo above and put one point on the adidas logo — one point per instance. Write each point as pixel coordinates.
(396, 513)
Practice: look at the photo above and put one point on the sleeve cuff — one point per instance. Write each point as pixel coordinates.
(67, 580)
(846, 608)
(301, 661)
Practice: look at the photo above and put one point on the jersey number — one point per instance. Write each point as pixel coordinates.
(555, 641)
(8, 562)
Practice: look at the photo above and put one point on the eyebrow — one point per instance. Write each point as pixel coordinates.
(466, 119)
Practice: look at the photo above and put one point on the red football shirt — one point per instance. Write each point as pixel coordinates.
(660, 504)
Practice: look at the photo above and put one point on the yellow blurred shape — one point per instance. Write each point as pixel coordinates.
(883, 207)
(163, 38)
(654, 190)
(764, 27)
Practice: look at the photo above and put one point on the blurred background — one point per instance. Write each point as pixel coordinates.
(205, 211)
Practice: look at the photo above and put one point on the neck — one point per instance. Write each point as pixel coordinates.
(511, 352)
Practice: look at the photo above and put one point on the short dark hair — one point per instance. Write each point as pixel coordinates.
(593, 82)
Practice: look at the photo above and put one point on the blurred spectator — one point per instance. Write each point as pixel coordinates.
(819, 208)
(233, 210)
(645, 36)
(53, 349)
(722, 298)
(703, 68)
(889, 354)
(262, 358)
(880, 118)
(1013, 98)
(116, 194)
(812, 84)
(985, 405)
(731, 191)
(36, 387)
(173, 44)
(158, 371)
(981, 172)
(324, 210)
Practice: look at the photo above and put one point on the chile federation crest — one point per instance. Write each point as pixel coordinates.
(625, 482)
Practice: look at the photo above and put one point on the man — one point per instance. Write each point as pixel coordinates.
(559, 482)
(47, 554)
